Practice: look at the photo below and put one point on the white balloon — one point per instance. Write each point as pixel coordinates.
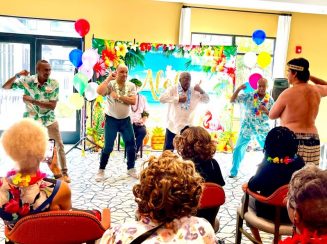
(91, 91)
(250, 59)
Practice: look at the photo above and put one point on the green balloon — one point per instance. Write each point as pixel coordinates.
(80, 82)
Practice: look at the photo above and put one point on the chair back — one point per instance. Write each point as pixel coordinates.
(277, 198)
(213, 196)
(65, 227)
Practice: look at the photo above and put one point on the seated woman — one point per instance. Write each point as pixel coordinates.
(279, 163)
(25, 190)
(194, 143)
(307, 206)
(167, 196)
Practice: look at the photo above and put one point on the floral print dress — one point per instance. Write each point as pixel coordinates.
(184, 230)
(19, 201)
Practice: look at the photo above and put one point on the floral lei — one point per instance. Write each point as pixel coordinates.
(120, 91)
(15, 206)
(256, 102)
(285, 160)
(23, 181)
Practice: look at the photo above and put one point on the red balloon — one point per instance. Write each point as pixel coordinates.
(82, 27)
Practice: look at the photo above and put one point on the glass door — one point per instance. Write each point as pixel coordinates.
(57, 54)
(18, 52)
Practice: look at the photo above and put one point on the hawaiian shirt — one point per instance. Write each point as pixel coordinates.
(253, 125)
(184, 230)
(49, 91)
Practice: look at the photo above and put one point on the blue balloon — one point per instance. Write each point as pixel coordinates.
(259, 36)
(75, 57)
(248, 88)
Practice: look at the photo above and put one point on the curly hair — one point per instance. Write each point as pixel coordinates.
(195, 143)
(308, 194)
(303, 75)
(25, 142)
(169, 188)
(280, 142)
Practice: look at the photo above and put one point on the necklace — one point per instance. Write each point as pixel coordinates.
(137, 105)
(257, 102)
(19, 180)
(285, 160)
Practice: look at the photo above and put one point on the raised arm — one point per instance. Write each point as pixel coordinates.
(8, 84)
(235, 94)
(169, 96)
(317, 80)
(103, 88)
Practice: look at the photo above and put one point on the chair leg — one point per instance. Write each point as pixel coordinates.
(239, 225)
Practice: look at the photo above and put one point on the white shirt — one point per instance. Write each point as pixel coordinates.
(178, 117)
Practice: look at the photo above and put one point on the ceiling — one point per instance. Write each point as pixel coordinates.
(285, 6)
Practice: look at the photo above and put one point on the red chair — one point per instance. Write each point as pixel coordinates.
(276, 199)
(213, 196)
(64, 227)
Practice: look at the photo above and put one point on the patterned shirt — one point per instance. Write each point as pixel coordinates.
(252, 124)
(187, 230)
(49, 91)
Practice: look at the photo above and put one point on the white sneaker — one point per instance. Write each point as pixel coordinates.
(100, 176)
(132, 172)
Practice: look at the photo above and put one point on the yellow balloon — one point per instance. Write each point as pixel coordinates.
(76, 100)
(264, 59)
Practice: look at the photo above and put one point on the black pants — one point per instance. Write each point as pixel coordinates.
(169, 138)
(140, 133)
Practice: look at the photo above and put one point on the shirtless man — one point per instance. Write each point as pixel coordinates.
(297, 107)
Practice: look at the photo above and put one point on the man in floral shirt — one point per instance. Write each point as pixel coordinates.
(40, 96)
(255, 122)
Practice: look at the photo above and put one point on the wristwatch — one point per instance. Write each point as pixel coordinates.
(17, 76)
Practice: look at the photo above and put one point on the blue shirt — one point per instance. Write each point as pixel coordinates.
(252, 124)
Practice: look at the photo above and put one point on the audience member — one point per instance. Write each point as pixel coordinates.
(26, 190)
(307, 206)
(279, 163)
(139, 116)
(167, 197)
(195, 144)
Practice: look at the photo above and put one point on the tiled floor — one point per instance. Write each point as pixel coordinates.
(116, 192)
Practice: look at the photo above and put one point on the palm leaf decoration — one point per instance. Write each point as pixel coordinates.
(229, 51)
(221, 87)
(188, 64)
(134, 58)
(99, 44)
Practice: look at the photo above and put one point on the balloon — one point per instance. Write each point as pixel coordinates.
(75, 57)
(264, 59)
(91, 56)
(91, 91)
(76, 100)
(248, 88)
(86, 70)
(82, 27)
(259, 37)
(63, 110)
(253, 80)
(80, 82)
(250, 59)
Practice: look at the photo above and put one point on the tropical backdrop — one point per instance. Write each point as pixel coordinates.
(158, 66)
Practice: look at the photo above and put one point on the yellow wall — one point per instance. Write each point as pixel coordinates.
(228, 22)
(153, 21)
(144, 20)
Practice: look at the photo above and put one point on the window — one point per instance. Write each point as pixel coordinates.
(244, 44)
